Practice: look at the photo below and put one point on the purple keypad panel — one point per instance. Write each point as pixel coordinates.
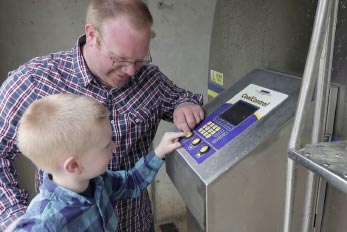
(213, 133)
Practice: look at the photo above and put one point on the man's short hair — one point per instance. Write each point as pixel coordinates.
(99, 11)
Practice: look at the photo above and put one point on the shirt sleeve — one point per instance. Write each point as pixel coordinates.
(130, 184)
(16, 93)
(32, 224)
(173, 96)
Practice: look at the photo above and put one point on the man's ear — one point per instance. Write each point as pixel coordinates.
(91, 34)
(72, 165)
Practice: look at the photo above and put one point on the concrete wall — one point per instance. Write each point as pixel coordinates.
(180, 47)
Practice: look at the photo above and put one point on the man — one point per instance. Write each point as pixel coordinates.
(111, 64)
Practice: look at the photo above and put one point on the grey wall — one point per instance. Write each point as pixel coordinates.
(272, 34)
(33, 28)
(180, 47)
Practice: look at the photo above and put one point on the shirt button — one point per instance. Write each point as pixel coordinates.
(137, 120)
(112, 122)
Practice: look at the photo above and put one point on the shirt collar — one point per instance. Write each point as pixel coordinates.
(52, 189)
(83, 73)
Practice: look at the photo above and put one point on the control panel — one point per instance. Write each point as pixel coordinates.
(230, 120)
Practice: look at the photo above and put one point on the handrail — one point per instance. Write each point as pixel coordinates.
(318, 128)
(306, 92)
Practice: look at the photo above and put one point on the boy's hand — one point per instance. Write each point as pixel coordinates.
(168, 143)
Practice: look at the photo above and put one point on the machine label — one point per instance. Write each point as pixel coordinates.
(217, 77)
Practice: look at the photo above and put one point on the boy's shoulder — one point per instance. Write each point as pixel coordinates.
(44, 208)
(41, 215)
(48, 213)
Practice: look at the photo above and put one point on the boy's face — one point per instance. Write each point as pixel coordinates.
(95, 161)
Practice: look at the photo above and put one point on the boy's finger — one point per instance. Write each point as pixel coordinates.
(176, 145)
(175, 135)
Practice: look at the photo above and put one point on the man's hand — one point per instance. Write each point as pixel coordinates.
(187, 116)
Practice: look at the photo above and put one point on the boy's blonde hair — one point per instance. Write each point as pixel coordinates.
(58, 126)
(99, 11)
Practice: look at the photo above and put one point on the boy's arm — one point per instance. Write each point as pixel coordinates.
(129, 184)
(32, 224)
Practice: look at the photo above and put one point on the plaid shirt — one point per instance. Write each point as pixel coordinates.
(135, 113)
(58, 209)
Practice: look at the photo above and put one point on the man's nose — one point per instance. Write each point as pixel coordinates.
(130, 69)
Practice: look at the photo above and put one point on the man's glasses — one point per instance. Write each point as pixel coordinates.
(123, 62)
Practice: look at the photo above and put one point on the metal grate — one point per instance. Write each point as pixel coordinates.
(328, 160)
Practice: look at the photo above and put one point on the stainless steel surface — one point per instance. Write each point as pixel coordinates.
(310, 72)
(328, 160)
(320, 203)
(192, 224)
(319, 120)
(242, 185)
(335, 210)
(322, 184)
(331, 111)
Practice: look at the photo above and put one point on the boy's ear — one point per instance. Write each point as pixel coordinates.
(72, 165)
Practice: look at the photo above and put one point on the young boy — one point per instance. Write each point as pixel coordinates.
(70, 138)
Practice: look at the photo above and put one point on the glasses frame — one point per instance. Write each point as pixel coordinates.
(122, 62)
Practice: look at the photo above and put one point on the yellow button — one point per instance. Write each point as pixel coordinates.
(204, 149)
(196, 141)
(189, 135)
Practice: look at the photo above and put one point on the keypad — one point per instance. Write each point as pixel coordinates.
(209, 129)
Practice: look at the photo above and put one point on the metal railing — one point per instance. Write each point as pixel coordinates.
(316, 76)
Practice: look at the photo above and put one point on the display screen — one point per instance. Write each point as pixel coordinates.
(238, 112)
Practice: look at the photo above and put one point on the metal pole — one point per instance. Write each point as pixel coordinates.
(318, 131)
(306, 91)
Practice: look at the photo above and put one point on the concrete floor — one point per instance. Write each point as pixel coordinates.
(180, 224)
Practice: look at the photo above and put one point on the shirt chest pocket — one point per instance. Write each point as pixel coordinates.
(136, 125)
(144, 119)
